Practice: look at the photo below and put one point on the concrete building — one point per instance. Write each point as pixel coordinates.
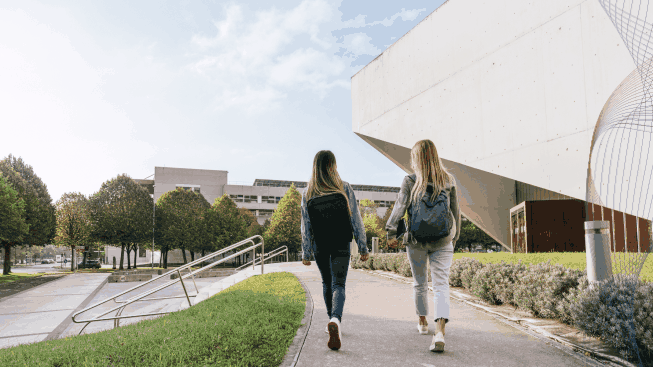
(509, 91)
(261, 198)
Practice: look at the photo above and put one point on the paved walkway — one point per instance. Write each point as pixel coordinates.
(42, 312)
(379, 329)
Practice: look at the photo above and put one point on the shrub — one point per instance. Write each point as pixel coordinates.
(484, 284)
(604, 311)
(356, 262)
(462, 272)
(505, 278)
(543, 287)
(566, 305)
(457, 268)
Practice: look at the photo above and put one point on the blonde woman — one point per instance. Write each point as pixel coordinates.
(430, 181)
(330, 219)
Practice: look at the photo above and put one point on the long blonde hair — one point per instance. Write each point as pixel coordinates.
(325, 178)
(428, 168)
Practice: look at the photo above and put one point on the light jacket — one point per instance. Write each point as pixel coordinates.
(403, 200)
(308, 242)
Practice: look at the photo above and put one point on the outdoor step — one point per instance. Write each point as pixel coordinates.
(207, 273)
(129, 278)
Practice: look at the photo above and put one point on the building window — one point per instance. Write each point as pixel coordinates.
(277, 199)
(269, 200)
(265, 212)
(195, 188)
(250, 199)
(237, 198)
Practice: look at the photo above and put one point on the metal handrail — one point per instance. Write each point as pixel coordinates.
(269, 255)
(141, 297)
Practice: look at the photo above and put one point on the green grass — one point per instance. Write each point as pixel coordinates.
(12, 277)
(572, 260)
(249, 324)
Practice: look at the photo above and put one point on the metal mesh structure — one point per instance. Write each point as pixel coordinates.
(621, 166)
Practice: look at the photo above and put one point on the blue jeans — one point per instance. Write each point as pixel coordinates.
(440, 260)
(333, 264)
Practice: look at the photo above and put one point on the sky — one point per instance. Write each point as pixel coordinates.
(93, 89)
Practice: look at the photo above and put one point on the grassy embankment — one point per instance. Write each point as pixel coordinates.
(571, 260)
(12, 277)
(249, 324)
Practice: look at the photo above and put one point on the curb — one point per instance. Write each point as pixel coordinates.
(533, 330)
(292, 355)
(56, 333)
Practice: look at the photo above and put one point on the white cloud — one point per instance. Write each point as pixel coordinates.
(405, 15)
(255, 61)
(359, 44)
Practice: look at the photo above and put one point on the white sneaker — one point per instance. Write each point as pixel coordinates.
(423, 329)
(335, 336)
(326, 329)
(437, 345)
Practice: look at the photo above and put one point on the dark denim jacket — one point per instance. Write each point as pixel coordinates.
(308, 243)
(403, 200)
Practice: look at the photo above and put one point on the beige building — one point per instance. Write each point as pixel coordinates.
(261, 198)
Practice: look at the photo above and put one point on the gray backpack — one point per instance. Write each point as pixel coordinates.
(430, 220)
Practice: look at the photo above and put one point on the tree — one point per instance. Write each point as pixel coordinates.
(182, 214)
(374, 225)
(121, 213)
(367, 206)
(39, 211)
(73, 222)
(225, 222)
(285, 224)
(471, 235)
(12, 220)
(251, 223)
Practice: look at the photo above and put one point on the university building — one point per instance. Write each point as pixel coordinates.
(261, 198)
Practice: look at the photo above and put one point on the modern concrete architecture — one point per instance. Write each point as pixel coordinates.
(509, 91)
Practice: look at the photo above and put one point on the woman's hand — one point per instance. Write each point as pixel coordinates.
(365, 257)
(393, 243)
(306, 262)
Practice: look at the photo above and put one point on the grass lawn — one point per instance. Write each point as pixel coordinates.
(249, 324)
(12, 277)
(572, 260)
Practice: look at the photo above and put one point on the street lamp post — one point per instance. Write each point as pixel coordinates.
(153, 223)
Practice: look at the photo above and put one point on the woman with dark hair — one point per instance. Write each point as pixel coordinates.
(430, 183)
(330, 218)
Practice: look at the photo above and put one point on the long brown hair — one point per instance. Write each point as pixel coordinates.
(325, 178)
(428, 168)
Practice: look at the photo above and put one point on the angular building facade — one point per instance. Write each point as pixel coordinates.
(509, 91)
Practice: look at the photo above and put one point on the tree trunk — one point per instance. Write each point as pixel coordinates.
(135, 253)
(203, 262)
(192, 256)
(165, 260)
(129, 260)
(6, 270)
(122, 256)
(72, 258)
(183, 252)
(84, 258)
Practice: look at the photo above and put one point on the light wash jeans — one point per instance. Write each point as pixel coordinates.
(440, 260)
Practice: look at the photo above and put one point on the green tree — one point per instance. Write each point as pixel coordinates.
(180, 221)
(374, 225)
(73, 222)
(251, 223)
(39, 211)
(367, 206)
(285, 224)
(12, 220)
(225, 222)
(121, 213)
(471, 235)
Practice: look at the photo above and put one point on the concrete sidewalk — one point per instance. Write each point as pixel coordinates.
(44, 311)
(379, 329)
